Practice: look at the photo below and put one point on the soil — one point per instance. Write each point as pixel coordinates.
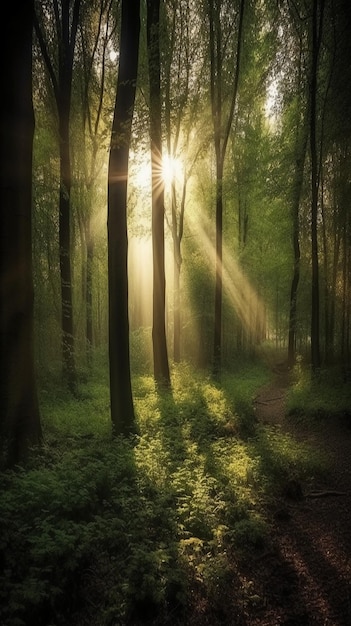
(304, 578)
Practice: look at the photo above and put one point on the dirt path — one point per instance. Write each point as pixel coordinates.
(305, 577)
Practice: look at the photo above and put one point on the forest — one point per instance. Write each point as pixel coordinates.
(175, 278)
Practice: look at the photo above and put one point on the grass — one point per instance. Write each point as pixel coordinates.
(106, 532)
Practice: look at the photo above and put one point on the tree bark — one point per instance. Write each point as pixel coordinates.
(62, 88)
(346, 296)
(20, 420)
(89, 289)
(160, 352)
(217, 354)
(177, 234)
(122, 410)
(92, 122)
(68, 358)
(315, 316)
(300, 154)
(177, 260)
(221, 132)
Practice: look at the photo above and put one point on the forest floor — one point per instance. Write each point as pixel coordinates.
(218, 516)
(303, 577)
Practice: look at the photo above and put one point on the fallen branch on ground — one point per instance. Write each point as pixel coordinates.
(325, 493)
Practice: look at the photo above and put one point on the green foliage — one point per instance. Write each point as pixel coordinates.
(141, 350)
(325, 397)
(115, 531)
(281, 457)
(240, 388)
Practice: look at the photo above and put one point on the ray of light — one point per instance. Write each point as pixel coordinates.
(242, 296)
(237, 288)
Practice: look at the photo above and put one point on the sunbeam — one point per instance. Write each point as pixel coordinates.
(242, 296)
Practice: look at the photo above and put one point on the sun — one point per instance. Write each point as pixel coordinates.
(171, 169)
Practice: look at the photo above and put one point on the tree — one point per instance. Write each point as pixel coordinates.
(177, 84)
(122, 411)
(222, 124)
(300, 115)
(66, 21)
(299, 154)
(317, 24)
(95, 29)
(182, 87)
(160, 353)
(334, 166)
(20, 420)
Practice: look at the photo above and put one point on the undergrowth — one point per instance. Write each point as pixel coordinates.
(318, 398)
(104, 532)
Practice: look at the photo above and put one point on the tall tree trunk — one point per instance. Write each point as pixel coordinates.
(221, 132)
(20, 420)
(330, 340)
(217, 354)
(62, 88)
(92, 118)
(68, 358)
(177, 234)
(177, 261)
(89, 290)
(346, 296)
(66, 52)
(317, 22)
(330, 276)
(176, 97)
(160, 353)
(347, 364)
(300, 154)
(122, 410)
(176, 313)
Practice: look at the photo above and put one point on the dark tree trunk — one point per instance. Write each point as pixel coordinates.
(221, 132)
(92, 118)
(122, 410)
(66, 51)
(300, 153)
(68, 359)
(217, 355)
(161, 366)
(346, 298)
(177, 234)
(62, 88)
(176, 305)
(89, 292)
(317, 21)
(330, 278)
(20, 421)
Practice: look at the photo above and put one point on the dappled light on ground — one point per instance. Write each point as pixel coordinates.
(188, 523)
